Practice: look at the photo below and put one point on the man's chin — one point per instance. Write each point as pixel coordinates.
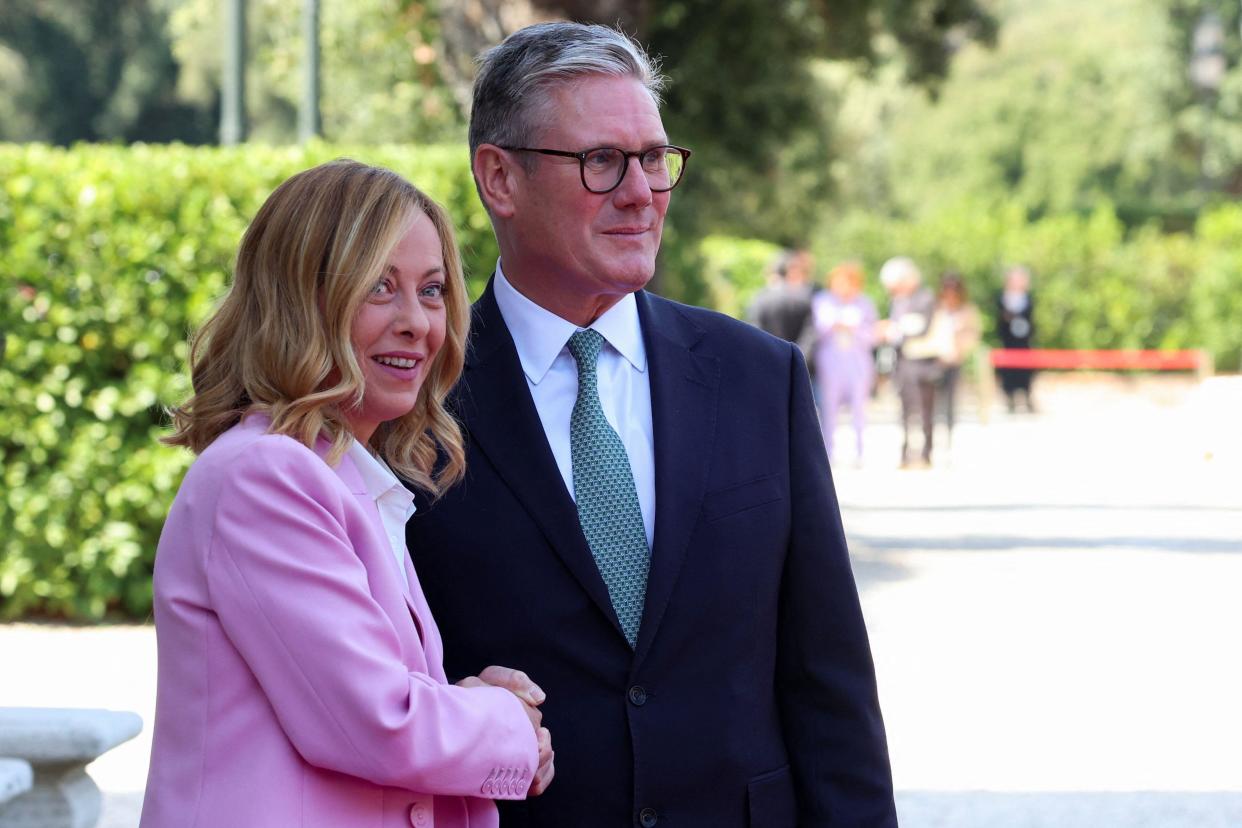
(631, 272)
(632, 281)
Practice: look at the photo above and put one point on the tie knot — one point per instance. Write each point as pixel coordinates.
(585, 346)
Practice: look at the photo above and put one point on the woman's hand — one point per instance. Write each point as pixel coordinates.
(515, 681)
(531, 696)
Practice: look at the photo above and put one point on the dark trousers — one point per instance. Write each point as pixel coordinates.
(948, 394)
(916, 384)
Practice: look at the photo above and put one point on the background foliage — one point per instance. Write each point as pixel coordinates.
(79, 70)
(1075, 104)
(969, 134)
(1096, 283)
(112, 254)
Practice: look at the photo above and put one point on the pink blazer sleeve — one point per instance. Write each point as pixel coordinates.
(292, 596)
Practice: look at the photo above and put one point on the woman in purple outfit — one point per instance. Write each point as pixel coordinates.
(844, 333)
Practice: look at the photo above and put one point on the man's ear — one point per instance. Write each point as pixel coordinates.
(495, 173)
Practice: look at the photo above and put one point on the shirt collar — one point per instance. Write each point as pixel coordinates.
(376, 476)
(540, 335)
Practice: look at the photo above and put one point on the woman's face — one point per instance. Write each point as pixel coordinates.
(843, 286)
(399, 329)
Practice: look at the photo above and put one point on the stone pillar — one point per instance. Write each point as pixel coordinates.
(15, 778)
(59, 744)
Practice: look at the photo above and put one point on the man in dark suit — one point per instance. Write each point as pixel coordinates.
(648, 525)
(783, 307)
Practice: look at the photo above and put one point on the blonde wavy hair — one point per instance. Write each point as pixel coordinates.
(279, 342)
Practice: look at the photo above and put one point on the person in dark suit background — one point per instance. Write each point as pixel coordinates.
(783, 307)
(1015, 324)
(648, 524)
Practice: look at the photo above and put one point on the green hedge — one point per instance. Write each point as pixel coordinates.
(110, 256)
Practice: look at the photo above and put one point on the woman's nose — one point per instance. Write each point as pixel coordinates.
(412, 319)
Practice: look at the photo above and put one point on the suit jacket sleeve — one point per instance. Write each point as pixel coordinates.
(825, 675)
(292, 596)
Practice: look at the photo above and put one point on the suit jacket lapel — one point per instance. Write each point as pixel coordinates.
(684, 387)
(496, 409)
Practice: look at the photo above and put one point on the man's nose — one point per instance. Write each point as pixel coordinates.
(634, 189)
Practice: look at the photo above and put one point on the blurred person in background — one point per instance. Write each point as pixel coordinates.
(1016, 327)
(300, 670)
(783, 308)
(918, 370)
(957, 328)
(761, 308)
(844, 322)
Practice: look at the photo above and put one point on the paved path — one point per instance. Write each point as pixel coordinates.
(1054, 613)
(1053, 610)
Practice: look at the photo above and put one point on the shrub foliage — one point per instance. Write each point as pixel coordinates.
(111, 255)
(1096, 284)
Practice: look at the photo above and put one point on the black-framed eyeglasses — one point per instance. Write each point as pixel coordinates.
(604, 168)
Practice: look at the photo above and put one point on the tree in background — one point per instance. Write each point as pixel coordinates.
(78, 70)
(1078, 146)
(381, 81)
(1077, 105)
(744, 93)
(1208, 108)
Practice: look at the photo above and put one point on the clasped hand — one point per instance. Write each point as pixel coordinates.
(520, 685)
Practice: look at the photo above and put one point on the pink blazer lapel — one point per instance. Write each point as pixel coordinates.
(414, 601)
(428, 631)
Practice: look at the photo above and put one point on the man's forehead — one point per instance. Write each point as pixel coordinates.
(603, 108)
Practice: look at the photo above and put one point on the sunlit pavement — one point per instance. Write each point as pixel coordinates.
(1053, 606)
(1054, 610)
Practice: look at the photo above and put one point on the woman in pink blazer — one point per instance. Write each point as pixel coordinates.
(300, 675)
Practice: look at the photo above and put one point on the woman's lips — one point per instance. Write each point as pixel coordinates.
(402, 371)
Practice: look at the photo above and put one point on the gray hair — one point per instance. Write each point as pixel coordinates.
(514, 80)
(899, 269)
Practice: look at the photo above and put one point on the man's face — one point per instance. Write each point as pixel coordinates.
(589, 248)
(1017, 281)
(798, 271)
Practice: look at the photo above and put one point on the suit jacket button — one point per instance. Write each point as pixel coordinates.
(638, 697)
(648, 818)
(418, 815)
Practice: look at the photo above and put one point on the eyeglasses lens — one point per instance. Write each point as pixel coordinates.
(603, 169)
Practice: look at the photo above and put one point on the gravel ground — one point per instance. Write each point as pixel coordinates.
(1052, 609)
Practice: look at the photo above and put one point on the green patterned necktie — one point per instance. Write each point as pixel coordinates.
(604, 488)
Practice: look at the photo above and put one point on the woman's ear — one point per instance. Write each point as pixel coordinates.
(495, 175)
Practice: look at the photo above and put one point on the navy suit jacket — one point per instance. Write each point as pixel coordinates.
(750, 698)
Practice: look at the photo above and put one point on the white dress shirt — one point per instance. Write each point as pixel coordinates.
(394, 501)
(552, 376)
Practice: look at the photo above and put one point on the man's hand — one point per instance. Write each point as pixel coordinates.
(531, 696)
(546, 770)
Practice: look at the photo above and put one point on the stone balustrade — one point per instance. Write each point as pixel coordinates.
(15, 778)
(57, 744)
